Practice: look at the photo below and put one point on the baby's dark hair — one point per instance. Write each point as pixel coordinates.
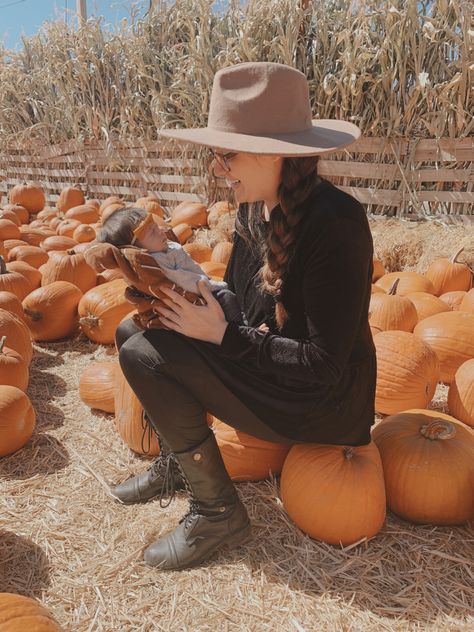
(118, 228)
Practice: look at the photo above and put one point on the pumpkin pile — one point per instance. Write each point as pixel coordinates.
(419, 462)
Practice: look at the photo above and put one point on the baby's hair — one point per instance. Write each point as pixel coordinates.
(118, 228)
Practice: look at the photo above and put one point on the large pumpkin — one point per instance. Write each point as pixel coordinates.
(13, 368)
(17, 333)
(67, 265)
(427, 304)
(461, 394)
(428, 463)
(11, 303)
(101, 309)
(31, 196)
(84, 214)
(448, 275)
(34, 255)
(130, 420)
(334, 493)
(57, 242)
(24, 614)
(409, 282)
(70, 197)
(32, 275)
(17, 419)
(391, 311)
(407, 372)
(247, 458)
(97, 385)
(451, 336)
(51, 311)
(13, 282)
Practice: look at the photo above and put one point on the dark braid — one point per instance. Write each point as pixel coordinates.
(298, 180)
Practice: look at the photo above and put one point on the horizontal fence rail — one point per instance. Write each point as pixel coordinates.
(418, 177)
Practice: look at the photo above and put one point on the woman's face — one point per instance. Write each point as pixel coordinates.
(252, 177)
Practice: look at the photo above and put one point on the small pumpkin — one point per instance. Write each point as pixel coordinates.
(320, 482)
(453, 299)
(451, 336)
(51, 311)
(84, 214)
(390, 311)
(109, 275)
(213, 269)
(109, 210)
(409, 282)
(427, 304)
(379, 270)
(113, 199)
(29, 195)
(247, 458)
(428, 464)
(461, 394)
(34, 236)
(97, 385)
(34, 255)
(467, 303)
(130, 420)
(407, 372)
(24, 614)
(101, 309)
(199, 252)
(13, 368)
(151, 205)
(20, 211)
(69, 198)
(32, 275)
(448, 275)
(11, 303)
(183, 232)
(84, 233)
(9, 230)
(58, 243)
(17, 420)
(11, 216)
(13, 282)
(17, 333)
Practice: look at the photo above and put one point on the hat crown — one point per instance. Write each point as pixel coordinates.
(260, 98)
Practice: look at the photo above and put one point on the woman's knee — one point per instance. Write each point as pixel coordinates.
(124, 331)
(141, 352)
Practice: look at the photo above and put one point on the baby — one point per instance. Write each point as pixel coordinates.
(135, 227)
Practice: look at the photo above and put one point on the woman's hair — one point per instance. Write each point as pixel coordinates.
(118, 228)
(298, 181)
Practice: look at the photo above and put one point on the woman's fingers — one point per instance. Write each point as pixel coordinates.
(174, 296)
(168, 314)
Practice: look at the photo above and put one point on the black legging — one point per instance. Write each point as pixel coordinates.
(176, 387)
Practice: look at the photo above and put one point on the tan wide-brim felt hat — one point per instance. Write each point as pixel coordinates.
(264, 108)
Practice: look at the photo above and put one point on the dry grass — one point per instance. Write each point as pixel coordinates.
(65, 541)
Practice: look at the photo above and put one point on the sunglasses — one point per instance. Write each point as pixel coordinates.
(222, 159)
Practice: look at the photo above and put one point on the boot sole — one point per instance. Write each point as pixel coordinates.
(234, 539)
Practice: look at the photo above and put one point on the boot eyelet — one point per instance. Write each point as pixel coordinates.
(222, 509)
(197, 456)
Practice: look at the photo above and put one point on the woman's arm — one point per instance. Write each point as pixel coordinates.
(337, 273)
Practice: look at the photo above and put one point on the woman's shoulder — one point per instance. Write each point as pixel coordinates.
(330, 205)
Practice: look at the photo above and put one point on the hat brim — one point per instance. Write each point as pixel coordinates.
(325, 135)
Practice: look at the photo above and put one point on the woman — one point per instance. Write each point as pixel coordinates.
(303, 370)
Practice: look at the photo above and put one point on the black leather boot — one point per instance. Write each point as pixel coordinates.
(216, 515)
(161, 480)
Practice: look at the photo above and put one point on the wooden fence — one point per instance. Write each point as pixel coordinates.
(389, 176)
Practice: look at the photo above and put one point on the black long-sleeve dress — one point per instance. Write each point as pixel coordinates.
(315, 380)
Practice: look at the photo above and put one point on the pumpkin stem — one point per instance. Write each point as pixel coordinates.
(33, 315)
(454, 259)
(2, 343)
(89, 321)
(348, 453)
(393, 290)
(438, 429)
(3, 267)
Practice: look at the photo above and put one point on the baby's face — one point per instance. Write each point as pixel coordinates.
(154, 239)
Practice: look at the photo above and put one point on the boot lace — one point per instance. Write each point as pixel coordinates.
(168, 488)
(147, 433)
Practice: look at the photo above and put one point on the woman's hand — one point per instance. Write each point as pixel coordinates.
(206, 322)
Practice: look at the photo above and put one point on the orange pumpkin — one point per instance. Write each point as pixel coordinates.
(84, 214)
(9, 244)
(428, 463)
(34, 236)
(109, 275)
(247, 458)
(17, 420)
(183, 232)
(9, 230)
(407, 372)
(58, 243)
(334, 493)
(130, 421)
(11, 216)
(84, 233)
(427, 304)
(451, 336)
(390, 311)
(448, 275)
(34, 255)
(13, 282)
(467, 303)
(31, 196)
(108, 210)
(67, 265)
(192, 213)
(199, 252)
(13, 368)
(70, 197)
(221, 252)
(51, 311)
(11, 303)
(20, 211)
(379, 270)
(67, 227)
(461, 394)
(151, 205)
(213, 269)
(113, 199)
(17, 333)
(23, 614)
(101, 309)
(97, 385)
(409, 282)
(453, 299)
(32, 275)
(47, 214)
